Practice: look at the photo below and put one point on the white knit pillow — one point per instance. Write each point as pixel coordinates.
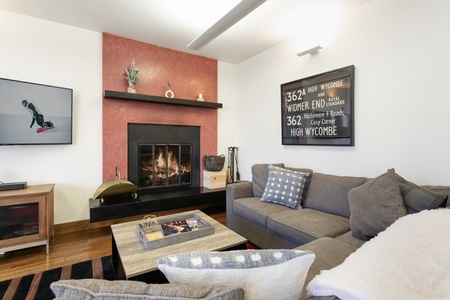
(263, 274)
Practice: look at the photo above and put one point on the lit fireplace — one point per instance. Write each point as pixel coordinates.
(164, 162)
(165, 165)
(163, 156)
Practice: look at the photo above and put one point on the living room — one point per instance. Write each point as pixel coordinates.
(399, 51)
(400, 64)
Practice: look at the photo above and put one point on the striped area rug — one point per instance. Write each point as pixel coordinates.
(37, 286)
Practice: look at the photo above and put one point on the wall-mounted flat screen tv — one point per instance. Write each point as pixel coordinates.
(34, 114)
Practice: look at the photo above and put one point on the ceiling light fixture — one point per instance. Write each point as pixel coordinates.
(232, 17)
(312, 51)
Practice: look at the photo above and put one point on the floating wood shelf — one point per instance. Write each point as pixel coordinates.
(161, 100)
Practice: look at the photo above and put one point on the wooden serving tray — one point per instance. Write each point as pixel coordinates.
(150, 242)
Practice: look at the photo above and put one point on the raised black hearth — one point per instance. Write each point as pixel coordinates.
(152, 202)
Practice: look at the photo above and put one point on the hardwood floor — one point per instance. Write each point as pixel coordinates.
(75, 243)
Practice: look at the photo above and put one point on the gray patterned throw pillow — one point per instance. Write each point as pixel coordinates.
(284, 187)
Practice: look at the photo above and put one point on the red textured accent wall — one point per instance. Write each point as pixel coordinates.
(189, 75)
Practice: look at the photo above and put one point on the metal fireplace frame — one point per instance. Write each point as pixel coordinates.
(142, 134)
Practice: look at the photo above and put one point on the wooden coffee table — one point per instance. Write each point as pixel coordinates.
(132, 261)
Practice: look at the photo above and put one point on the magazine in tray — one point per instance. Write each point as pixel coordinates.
(174, 230)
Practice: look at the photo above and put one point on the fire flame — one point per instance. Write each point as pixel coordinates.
(163, 168)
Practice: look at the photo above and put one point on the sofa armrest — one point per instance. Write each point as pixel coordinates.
(243, 189)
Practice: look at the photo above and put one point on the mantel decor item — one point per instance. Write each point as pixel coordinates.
(200, 97)
(319, 110)
(214, 163)
(169, 93)
(132, 76)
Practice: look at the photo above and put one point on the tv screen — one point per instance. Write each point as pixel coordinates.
(34, 114)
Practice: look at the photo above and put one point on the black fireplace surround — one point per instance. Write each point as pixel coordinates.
(159, 197)
(147, 135)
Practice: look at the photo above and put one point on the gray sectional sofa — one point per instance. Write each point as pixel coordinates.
(324, 224)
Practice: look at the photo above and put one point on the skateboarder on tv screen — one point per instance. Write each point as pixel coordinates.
(36, 115)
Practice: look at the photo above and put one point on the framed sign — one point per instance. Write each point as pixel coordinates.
(318, 110)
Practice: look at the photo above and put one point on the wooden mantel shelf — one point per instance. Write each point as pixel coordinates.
(161, 100)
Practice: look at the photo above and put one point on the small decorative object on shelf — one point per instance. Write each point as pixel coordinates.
(132, 76)
(169, 93)
(200, 97)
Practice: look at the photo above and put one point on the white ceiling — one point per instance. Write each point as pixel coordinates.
(176, 23)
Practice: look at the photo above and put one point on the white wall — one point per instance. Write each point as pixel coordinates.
(39, 51)
(227, 94)
(44, 52)
(400, 50)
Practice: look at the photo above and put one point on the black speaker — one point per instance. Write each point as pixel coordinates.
(12, 186)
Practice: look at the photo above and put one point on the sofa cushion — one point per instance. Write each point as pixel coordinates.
(375, 205)
(256, 211)
(445, 190)
(284, 187)
(121, 289)
(329, 254)
(348, 238)
(263, 274)
(329, 193)
(418, 198)
(259, 177)
(305, 225)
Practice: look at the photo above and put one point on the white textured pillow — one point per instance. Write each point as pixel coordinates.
(263, 274)
(284, 187)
